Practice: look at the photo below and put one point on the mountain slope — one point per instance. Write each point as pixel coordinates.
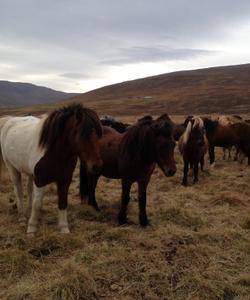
(212, 90)
(17, 93)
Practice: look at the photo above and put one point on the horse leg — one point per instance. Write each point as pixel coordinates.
(35, 210)
(30, 193)
(142, 187)
(92, 182)
(237, 151)
(185, 173)
(202, 162)
(229, 153)
(17, 181)
(196, 170)
(126, 186)
(84, 185)
(62, 191)
(224, 153)
(211, 154)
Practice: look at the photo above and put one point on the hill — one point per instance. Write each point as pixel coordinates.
(212, 90)
(18, 94)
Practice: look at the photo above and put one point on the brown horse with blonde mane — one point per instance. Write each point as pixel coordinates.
(132, 157)
(193, 146)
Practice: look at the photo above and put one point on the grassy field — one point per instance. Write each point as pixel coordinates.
(197, 247)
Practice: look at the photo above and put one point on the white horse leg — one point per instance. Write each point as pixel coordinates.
(17, 181)
(35, 211)
(63, 221)
(62, 191)
(30, 193)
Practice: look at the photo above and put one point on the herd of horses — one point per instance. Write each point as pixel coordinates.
(47, 148)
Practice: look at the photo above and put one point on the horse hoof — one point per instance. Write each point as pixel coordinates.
(144, 222)
(64, 230)
(30, 235)
(31, 230)
(212, 165)
(122, 220)
(22, 220)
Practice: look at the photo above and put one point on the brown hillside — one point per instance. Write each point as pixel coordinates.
(213, 90)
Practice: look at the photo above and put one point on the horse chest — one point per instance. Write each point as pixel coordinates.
(54, 169)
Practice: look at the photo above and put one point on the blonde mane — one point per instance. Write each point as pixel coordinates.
(228, 120)
(197, 122)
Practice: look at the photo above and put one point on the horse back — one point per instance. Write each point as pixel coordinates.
(19, 143)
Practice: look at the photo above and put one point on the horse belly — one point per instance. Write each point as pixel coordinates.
(110, 170)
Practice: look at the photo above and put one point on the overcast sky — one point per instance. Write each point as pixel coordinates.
(80, 45)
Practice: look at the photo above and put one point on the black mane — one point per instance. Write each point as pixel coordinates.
(210, 125)
(139, 140)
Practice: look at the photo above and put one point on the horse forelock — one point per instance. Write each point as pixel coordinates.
(54, 124)
(187, 132)
(198, 122)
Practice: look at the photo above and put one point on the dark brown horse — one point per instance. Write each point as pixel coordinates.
(193, 146)
(132, 156)
(117, 125)
(65, 134)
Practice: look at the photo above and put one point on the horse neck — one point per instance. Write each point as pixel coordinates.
(141, 157)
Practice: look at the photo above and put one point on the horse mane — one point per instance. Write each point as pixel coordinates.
(187, 132)
(210, 125)
(193, 122)
(54, 124)
(118, 126)
(138, 141)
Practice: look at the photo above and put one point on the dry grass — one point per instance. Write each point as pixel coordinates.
(198, 246)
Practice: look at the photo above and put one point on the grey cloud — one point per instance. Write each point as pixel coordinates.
(75, 75)
(157, 54)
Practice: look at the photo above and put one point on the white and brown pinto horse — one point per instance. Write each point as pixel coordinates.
(193, 145)
(46, 150)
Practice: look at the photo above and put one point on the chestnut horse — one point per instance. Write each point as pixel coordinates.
(132, 157)
(193, 146)
(46, 150)
(222, 135)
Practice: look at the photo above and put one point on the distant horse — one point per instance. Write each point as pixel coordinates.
(132, 157)
(46, 150)
(226, 121)
(193, 146)
(226, 136)
(111, 122)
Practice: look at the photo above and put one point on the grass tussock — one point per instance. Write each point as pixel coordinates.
(72, 281)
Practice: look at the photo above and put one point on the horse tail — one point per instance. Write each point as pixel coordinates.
(3, 120)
